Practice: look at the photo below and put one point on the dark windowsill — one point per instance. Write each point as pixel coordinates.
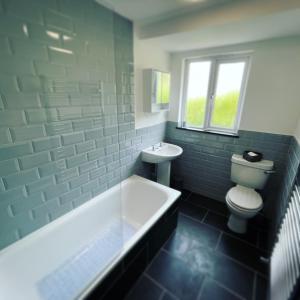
(235, 135)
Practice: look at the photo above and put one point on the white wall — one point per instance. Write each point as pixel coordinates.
(272, 97)
(147, 54)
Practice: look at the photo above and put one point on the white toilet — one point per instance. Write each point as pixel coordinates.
(242, 200)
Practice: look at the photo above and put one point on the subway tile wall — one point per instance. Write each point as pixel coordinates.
(292, 167)
(66, 110)
(205, 164)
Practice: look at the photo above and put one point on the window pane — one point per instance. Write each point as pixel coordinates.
(197, 93)
(229, 81)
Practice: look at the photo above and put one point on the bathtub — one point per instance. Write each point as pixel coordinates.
(70, 256)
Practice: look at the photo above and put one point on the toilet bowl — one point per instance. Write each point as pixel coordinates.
(243, 203)
(242, 200)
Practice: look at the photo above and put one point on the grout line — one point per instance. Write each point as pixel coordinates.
(228, 289)
(219, 240)
(254, 286)
(240, 239)
(160, 249)
(160, 286)
(255, 272)
(189, 195)
(162, 295)
(232, 236)
(204, 217)
(204, 207)
(201, 289)
(242, 264)
(190, 217)
(216, 228)
(226, 256)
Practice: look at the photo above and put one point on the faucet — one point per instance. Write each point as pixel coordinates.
(156, 146)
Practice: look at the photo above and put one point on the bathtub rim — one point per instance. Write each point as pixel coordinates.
(172, 196)
(138, 235)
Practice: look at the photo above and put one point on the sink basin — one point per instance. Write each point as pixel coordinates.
(159, 154)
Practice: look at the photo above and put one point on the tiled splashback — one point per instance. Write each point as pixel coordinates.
(205, 164)
(66, 109)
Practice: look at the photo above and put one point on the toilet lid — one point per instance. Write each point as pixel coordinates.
(245, 198)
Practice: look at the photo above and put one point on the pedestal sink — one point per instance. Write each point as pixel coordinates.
(162, 154)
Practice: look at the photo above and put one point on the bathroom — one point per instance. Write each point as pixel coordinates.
(149, 149)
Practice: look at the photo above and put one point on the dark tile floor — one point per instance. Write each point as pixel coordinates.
(204, 260)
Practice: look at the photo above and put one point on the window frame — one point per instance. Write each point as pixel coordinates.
(216, 61)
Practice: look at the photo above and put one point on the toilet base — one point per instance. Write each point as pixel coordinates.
(237, 224)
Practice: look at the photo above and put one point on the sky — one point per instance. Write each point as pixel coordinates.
(229, 78)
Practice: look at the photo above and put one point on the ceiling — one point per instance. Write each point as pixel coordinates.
(256, 29)
(148, 11)
(179, 25)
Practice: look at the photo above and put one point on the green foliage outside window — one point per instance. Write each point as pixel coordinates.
(225, 109)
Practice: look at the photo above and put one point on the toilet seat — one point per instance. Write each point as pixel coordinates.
(244, 199)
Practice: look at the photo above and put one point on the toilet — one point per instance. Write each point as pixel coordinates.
(242, 200)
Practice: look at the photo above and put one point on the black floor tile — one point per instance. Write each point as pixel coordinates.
(260, 222)
(204, 255)
(185, 194)
(208, 203)
(263, 241)
(192, 252)
(212, 290)
(192, 210)
(220, 222)
(234, 276)
(176, 276)
(206, 235)
(145, 289)
(168, 296)
(261, 291)
(211, 263)
(243, 252)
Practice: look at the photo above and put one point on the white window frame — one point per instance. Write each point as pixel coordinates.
(215, 63)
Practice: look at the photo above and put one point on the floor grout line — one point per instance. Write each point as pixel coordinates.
(190, 217)
(162, 295)
(204, 217)
(225, 255)
(164, 289)
(219, 240)
(254, 286)
(190, 193)
(201, 289)
(255, 272)
(228, 289)
(247, 243)
(214, 227)
(215, 250)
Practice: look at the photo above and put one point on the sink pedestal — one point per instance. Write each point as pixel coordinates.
(163, 171)
(162, 155)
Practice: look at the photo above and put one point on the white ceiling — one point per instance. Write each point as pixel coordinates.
(147, 11)
(260, 28)
(179, 25)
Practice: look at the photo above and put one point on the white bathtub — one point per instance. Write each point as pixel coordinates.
(67, 258)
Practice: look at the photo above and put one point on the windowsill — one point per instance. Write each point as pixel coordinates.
(229, 134)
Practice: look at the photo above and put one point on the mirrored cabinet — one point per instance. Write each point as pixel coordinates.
(156, 90)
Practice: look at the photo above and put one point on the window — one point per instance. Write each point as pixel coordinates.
(213, 93)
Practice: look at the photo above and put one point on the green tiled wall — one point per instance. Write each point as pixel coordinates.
(206, 161)
(66, 109)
